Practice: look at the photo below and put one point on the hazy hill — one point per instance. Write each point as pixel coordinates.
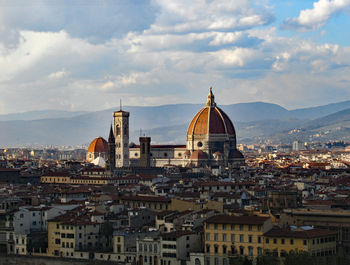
(168, 124)
(320, 111)
(40, 114)
(339, 118)
(335, 126)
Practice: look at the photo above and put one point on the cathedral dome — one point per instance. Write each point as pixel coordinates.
(211, 120)
(211, 131)
(98, 145)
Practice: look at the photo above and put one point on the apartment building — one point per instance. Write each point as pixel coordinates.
(283, 241)
(227, 236)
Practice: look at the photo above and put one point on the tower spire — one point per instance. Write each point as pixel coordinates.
(111, 151)
(111, 138)
(211, 99)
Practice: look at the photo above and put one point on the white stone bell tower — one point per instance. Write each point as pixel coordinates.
(121, 135)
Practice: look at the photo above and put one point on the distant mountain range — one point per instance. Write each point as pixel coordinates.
(254, 122)
(40, 114)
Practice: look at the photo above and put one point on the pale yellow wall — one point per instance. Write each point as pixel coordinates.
(238, 230)
(53, 233)
(55, 179)
(312, 246)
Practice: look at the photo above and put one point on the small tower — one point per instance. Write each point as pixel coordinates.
(111, 150)
(121, 135)
(145, 151)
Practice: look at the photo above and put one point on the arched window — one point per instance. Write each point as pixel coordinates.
(224, 249)
(197, 261)
(259, 251)
(117, 130)
(250, 251)
(241, 250)
(207, 248)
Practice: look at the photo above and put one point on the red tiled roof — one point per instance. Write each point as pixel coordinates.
(227, 219)
(146, 198)
(8, 169)
(285, 232)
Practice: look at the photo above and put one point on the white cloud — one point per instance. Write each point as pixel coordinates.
(317, 17)
(98, 21)
(38, 54)
(58, 74)
(201, 15)
(126, 80)
(188, 46)
(108, 85)
(281, 61)
(236, 57)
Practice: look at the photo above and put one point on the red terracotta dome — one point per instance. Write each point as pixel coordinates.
(199, 155)
(211, 120)
(98, 145)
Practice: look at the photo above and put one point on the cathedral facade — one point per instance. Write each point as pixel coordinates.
(211, 141)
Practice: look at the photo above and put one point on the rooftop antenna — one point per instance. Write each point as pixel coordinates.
(120, 104)
(140, 132)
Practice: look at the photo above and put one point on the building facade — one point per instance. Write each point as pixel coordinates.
(228, 236)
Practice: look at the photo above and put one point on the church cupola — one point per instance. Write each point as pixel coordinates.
(211, 99)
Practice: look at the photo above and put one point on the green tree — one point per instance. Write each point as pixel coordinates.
(267, 260)
(299, 258)
(247, 261)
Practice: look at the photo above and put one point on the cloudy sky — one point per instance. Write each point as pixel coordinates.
(87, 54)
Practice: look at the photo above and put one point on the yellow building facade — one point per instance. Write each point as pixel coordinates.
(281, 242)
(54, 238)
(253, 236)
(68, 236)
(227, 236)
(61, 239)
(56, 178)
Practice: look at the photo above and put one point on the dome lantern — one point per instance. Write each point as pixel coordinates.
(211, 99)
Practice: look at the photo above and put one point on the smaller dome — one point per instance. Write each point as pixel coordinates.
(98, 145)
(235, 154)
(132, 145)
(199, 155)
